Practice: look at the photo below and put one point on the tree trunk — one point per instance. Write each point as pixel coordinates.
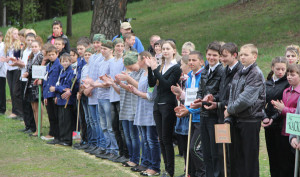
(21, 13)
(106, 17)
(69, 18)
(82, 5)
(4, 15)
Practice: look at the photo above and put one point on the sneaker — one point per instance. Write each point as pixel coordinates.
(53, 142)
(23, 130)
(90, 149)
(106, 156)
(121, 159)
(98, 151)
(113, 158)
(83, 146)
(29, 131)
(47, 138)
(138, 168)
(165, 174)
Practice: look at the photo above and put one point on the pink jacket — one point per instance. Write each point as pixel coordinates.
(289, 98)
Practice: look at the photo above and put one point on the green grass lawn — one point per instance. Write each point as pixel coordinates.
(270, 24)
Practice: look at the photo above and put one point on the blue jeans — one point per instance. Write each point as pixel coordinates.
(151, 147)
(106, 126)
(132, 140)
(145, 159)
(84, 103)
(97, 136)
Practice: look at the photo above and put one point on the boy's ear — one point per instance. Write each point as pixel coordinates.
(235, 55)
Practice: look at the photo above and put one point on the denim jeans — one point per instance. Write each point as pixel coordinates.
(87, 115)
(151, 150)
(106, 126)
(97, 136)
(132, 140)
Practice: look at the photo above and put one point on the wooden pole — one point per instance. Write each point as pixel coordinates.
(39, 111)
(296, 160)
(188, 148)
(224, 154)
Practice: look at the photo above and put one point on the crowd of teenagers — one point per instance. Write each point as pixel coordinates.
(133, 104)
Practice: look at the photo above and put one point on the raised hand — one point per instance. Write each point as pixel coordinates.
(176, 90)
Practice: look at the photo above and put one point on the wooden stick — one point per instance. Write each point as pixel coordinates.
(188, 148)
(296, 160)
(78, 111)
(224, 154)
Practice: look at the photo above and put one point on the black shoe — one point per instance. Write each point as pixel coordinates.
(138, 168)
(106, 156)
(76, 145)
(65, 144)
(29, 131)
(83, 147)
(121, 159)
(90, 149)
(98, 150)
(53, 142)
(114, 158)
(23, 130)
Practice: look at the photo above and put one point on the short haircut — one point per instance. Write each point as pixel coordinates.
(144, 54)
(252, 47)
(214, 46)
(232, 48)
(293, 68)
(84, 39)
(127, 36)
(30, 35)
(22, 32)
(65, 56)
(60, 39)
(38, 42)
(185, 59)
(74, 50)
(199, 55)
(57, 22)
(46, 46)
(189, 46)
(82, 43)
(153, 36)
(159, 42)
(51, 49)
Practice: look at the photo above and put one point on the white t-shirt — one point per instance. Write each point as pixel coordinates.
(26, 54)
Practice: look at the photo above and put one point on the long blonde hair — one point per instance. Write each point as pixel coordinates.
(163, 60)
(9, 42)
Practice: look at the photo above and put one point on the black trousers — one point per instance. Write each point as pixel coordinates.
(287, 158)
(197, 167)
(53, 118)
(165, 119)
(28, 116)
(210, 147)
(82, 123)
(273, 138)
(65, 123)
(14, 83)
(246, 145)
(2, 95)
(118, 129)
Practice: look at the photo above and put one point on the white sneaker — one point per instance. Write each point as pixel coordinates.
(45, 138)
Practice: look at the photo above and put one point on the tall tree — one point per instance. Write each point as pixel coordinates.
(82, 6)
(69, 18)
(21, 13)
(106, 17)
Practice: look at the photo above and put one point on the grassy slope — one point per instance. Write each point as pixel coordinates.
(271, 24)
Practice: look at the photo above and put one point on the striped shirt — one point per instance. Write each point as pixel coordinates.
(94, 62)
(128, 101)
(144, 109)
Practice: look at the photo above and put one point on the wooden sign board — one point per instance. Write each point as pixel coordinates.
(293, 124)
(222, 133)
(38, 72)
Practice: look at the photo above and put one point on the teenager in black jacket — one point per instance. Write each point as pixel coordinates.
(209, 85)
(275, 85)
(164, 76)
(229, 53)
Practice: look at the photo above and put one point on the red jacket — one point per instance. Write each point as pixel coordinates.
(290, 97)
